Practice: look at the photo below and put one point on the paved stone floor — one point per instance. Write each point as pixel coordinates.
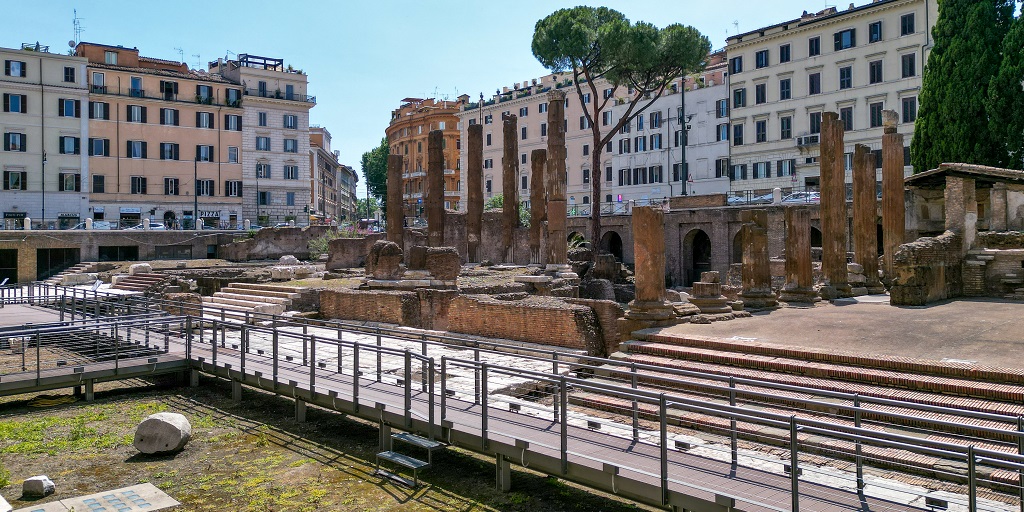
(988, 331)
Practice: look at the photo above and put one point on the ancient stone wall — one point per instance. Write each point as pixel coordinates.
(399, 308)
(928, 270)
(272, 243)
(534, 319)
(350, 252)
(608, 314)
(701, 201)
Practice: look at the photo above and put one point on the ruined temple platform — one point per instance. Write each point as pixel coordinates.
(985, 331)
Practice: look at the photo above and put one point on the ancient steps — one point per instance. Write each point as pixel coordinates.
(242, 298)
(140, 282)
(87, 266)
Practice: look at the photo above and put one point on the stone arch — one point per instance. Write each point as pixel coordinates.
(697, 254)
(737, 247)
(611, 242)
(815, 237)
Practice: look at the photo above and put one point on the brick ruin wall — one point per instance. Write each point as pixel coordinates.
(928, 269)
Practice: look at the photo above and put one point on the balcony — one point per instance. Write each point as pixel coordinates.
(165, 96)
(280, 95)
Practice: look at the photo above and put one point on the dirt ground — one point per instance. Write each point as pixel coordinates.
(249, 456)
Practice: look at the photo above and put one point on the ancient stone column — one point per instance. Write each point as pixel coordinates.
(997, 207)
(509, 185)
(435, 188)
(961, 209)
(474, 180)
(555, 183)
(396, 204)
(649, 260)
(894, 213)
(756, 274)
(538, 208)
(833, 204)
(865, 216)
(799, 285)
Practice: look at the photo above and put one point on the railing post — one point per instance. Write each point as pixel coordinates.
(379, 368)
(444, 387)
(794, 471)
(273, 351)
(483, 406)
(305, 348)
(117, 350)
(733, 434)
(38, 360)
(423, 363)
(1020, 451)
(430, 399)
(407, 384)
(972, 480)
(564, 424)
(636, 405)
(213, 337)
(355, 377)
(663, 436)
(859, 458)
(476, 376)
(243, 343)
(312, 367)
(188, 338)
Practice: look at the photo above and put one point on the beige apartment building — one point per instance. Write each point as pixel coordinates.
(856, 61)
(332, 185)
(407, 136)
(275, 137)
(44, 127)
(164, 141)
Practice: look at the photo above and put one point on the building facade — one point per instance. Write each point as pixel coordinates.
(348, 204)
(164, 141)
(325, 198)
(407, 136)
(275, 137)
(45, 130)
(782, 77)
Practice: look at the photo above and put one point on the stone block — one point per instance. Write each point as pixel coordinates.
(606, 267)
(673, 296)
(600, 289)
(711, 276)
(288, 259)
(443, 263)
(78, 279)
(417, 258)
(384, 261)
(139, 268)
(163, 432)
(38, 487)
(282, 273)
(302, 271)
(855, 268)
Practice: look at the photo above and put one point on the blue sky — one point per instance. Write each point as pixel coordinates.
(364, 57)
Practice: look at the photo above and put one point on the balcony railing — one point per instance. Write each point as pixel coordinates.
(165, 96)
(280, 95)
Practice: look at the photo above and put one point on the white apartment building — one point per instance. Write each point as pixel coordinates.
(275, 138)
(857, 62)
(45, 124)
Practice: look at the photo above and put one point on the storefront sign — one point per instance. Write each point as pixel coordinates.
(209, 214)
(130, 209)
(98, 209)
(67, 215)
(14, 215)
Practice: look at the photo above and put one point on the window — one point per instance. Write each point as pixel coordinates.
(656, 141)
(99, 110)
(488, 139)
(522, 158)
(906, 24)
(15, 180)
(110, 58)
(69, 74)
(786, 127)
(736, 65)
(291, 145)
(233, 97)
(14, 68)
(721, 109)
(522, 132)
(169, 151)
(909, 109)
(845, 77)
(848, 161)
(640, 144)
(785, 167)
(15, 103)
(169, 116)
(640, 176)
(489, 164)
(722, 168)
(623, 177)
(169, 89)
(846, 116)
(523, 183)
(262, 143)
(679, 173)
(761, 131)
(261, 118)
(69, 182)
(815, 120)
(204, 153)
(722, 133)
(624, 146)
(138, 184)
(233, 188)
(608, 148)
(204, 94)
(608, 177)
(99, 147)
(543, 129)
(784, 53)
(875, 72)
(625, 128)
(291, 172)
(135, 87)
(14, 142)
(639, 123)
(263, 198)
(655, 120)
(204, 119)
(607, 93)
(761, 170)
(524, 111)
(487, 187)
(814, 83)
(761, 59)
(760, 94)
(232, 155)
(908, 65)
(678, 138)
(586, 150)
(70, 145)
(291, 121)
(489, 118)
(586, 97)
(69, 108)
(171, 186)
(737, 135)
(875, 114)
(845, 39)
(136, 149)
(233, 122)
(654, 174)
(739, 172)
(813, 46)
(204, 188)
(739, 98)
(785, 89)
(98, 184)
(136, 114)
(875, 32)
(606, 118)
(262, 170)
(289, 198)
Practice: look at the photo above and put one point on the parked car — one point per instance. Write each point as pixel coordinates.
(802, 198)
(762, 199)
(153, 226)
(282, 225)
(96, 224)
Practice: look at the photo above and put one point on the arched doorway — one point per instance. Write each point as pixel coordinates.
(169, 220)
(612, 243)
(737, 247)
(576, 239)
(879, 239)
(697, 247)
(815, 237)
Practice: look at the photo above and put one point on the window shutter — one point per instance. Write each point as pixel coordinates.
(198, 150)
(767, 169)
(106, 112)
(778, 169)
(176, 116)
(838, 39)
(7, 67)
(24, 143)
(162, 112)
(128, 149)
(213, 157)
(7, 142)
(60, 142)
(143, 114)
(7, 102)
(24, 102)
(78, 108)
(60, 107)
(199, 115)
(60, 183)
(853, 37)
(226, 183)
(144, 144)
(175, 151)
(7, 180)
(78, 146)
(78, 183)
(23, 70)
(90, 146)
(91, 107)
(145, 188)
(226, 120)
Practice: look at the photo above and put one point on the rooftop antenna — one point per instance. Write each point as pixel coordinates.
(736, 25)
(181, 55)
(78, 27)
(199, 62)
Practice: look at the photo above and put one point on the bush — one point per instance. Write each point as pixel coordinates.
(318, 246)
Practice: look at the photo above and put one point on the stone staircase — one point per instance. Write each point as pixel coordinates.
(81, 268)
(956, 385)
(397, 459)
(238, 299)
(1006, 268)
(141, 282)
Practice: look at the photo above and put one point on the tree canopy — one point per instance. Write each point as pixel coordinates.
(1006, 99)
(595, 43)
(375, 169)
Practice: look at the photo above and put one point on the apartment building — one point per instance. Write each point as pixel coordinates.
(348, 180)
(857, 62)
(324, 180)
(45, 168)
(275, 137)
(164, 141)
(407, 136)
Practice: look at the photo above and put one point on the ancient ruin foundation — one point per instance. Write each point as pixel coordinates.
(757, 279)
(799, 275)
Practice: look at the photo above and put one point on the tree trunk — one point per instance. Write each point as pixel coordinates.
(595, 195)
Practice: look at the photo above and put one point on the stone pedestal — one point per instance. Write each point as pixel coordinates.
(707, 295)
(756, 275)
(554, 180)
(894, 214)
(833, 204)
(509, 183)
(799, 285)
(997, 207)
(962, 209)
(865, 218)
(649, 259)
(435, 188)
(538, 208)
(475, 192)
(396, 204)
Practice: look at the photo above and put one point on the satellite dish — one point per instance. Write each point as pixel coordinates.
(71, 43)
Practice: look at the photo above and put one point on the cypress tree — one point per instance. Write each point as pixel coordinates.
(952, 123)
(1006, 99)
